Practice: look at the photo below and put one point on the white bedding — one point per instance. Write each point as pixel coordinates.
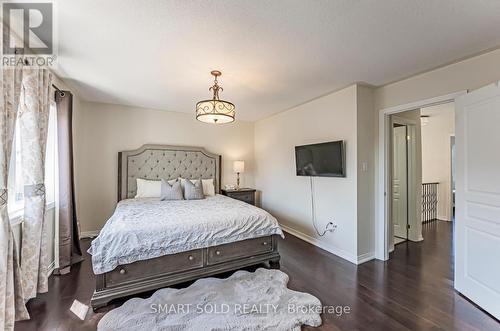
(146, 228)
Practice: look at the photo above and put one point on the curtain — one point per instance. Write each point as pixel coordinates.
(69, 239)
(12, 306)
(33, 120)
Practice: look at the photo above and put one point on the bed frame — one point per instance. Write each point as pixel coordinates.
(155, 162)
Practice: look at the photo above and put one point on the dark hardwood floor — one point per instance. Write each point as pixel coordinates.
(411, 291)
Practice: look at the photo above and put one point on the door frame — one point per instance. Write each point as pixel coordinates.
(382, 221)
(411, 174)
(450, 188)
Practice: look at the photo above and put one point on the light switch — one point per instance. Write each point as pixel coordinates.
(364, 166)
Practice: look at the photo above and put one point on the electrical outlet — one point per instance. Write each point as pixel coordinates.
(331, 227)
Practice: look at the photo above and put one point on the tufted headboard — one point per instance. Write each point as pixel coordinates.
(156, 162)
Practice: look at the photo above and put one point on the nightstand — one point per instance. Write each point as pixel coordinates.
(243, 194)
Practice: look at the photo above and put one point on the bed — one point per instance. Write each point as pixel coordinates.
(149, 244)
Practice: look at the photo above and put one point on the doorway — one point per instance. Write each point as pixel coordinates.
(452, 176)
(420, 171)
(399, 183)
(404, 214)
(384, 230)
(437, 130)
(475, 229)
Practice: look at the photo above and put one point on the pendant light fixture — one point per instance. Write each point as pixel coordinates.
(215, 111)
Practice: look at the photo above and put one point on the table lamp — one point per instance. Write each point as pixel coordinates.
(238, 167)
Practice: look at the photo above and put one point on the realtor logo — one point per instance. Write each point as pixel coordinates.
(28, 32)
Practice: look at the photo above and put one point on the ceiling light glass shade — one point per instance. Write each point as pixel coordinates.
(215, 111)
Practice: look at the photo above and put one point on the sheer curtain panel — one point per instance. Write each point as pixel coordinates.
(12, 306)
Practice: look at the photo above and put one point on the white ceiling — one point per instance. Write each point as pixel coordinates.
(273, 54)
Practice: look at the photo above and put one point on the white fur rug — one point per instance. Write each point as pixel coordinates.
(244, 301)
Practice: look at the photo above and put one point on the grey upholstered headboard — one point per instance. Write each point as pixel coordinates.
(156, 162)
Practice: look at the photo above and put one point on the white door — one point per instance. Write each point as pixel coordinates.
(399, 182)
(477, 227)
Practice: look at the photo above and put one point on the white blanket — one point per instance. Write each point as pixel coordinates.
(146, 228)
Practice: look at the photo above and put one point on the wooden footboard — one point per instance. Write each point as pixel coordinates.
(172, 269)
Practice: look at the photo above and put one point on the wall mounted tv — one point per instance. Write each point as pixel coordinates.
(321, 160)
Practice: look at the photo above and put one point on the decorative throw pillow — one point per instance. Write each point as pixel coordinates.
(193, 191)
(208, 185)
(171, 191)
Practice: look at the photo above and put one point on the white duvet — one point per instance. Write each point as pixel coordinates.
(146, 228)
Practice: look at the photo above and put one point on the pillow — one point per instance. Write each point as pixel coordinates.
(208, 186)
(193, 191)
(171, 191)
(149, 188)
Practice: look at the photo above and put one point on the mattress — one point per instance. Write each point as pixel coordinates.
(146, 228)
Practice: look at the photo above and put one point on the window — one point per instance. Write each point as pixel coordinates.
(51, 156)
(15, 180)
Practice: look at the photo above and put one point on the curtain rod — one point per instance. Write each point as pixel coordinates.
(61, 93)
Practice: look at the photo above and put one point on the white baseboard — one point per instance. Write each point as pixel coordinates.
(411, 237)
(366, 257)
(321, 244)
(89, 234)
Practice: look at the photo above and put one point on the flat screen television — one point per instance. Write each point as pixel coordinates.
(321, 160)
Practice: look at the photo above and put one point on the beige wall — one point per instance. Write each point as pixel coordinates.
(465, 75)
(365, 182)
(102, 130)
(288, 197)
(436, 153)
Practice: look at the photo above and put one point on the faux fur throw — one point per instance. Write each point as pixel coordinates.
(244, 301)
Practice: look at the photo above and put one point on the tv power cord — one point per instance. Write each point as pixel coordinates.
(330, 226)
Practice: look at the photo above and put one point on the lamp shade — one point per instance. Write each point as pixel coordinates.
(239, 166)
(215, 110)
